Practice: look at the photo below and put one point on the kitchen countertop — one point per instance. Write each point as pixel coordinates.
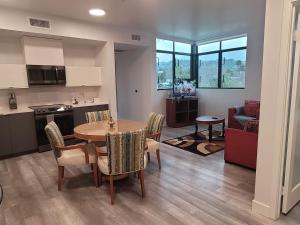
(20, 109)
(89, 104)
(25, 109)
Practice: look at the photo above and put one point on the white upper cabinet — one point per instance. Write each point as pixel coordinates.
(83, 76)
(43, 51)
(13, 76)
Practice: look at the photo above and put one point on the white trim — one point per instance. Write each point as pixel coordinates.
(285, 67)
(261, 208)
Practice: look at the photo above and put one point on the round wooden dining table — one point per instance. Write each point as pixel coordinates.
(97, 131)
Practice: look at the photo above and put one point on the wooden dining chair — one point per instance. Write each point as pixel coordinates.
(154, 128)
(73, 155)
(97, 116)
(124, 154)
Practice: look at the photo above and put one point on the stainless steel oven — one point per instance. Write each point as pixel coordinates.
(61, 114)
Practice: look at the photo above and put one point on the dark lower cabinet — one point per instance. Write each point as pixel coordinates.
(23, 134)
(79, 113)
(17, 134)
(5, 136)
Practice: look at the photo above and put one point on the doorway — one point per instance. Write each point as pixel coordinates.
(132, 74)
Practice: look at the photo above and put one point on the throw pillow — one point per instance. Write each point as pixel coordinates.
(251, 108)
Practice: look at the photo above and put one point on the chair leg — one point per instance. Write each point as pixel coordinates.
(111, 189)
(148, 154)
(63, 173)
(60, 176)
(141, 173)
(99, 177)
(95, 171)
(158, 158)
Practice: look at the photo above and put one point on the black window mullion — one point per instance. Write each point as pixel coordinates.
(220, 69)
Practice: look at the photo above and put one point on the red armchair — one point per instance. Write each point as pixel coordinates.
(241, 145)
(239, 116)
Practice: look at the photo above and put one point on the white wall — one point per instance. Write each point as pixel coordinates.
(133, 73)
(78, 54)
(106, 59)
(17, 20)
(217, 101)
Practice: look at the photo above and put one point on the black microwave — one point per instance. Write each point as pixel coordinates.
(46, 75)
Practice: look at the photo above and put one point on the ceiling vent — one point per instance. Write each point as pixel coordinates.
(136, 37)
(39, 23)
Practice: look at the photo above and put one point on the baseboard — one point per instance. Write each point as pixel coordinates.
(262, 209)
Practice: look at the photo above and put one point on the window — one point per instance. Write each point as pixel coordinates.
(173, 62)
(164, 70)
(208, 70)
(222, 64)
(182, 67)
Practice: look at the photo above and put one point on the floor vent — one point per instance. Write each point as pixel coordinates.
(39, 23)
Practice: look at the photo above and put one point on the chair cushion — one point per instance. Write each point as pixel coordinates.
(251, 108)
(152, 145)
(103, 163)
(76, 157)
(242, 119)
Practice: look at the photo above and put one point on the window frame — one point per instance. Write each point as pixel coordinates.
(220, 64)
(193, 76)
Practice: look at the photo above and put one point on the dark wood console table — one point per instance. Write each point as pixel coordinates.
(181, 111)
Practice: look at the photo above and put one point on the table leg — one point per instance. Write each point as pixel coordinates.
(223, 129)
(196, 128)
(210, 133)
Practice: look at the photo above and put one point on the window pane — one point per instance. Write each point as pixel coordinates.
(234, 43)
(164, 45)
(183, 66)
(183, 47)
(208, 70)
(164, 69)
(234, 69)
(215, 46)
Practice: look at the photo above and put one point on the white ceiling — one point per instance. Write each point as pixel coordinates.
(189, 19)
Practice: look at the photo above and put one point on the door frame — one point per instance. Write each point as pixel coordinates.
(289, 199)
(273, 123)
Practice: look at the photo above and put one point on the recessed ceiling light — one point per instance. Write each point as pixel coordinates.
(97, 12)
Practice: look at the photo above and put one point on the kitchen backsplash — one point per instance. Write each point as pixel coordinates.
(49, 95)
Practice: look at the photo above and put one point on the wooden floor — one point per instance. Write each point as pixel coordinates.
(190, 189)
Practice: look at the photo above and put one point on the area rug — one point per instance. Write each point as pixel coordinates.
(199, 144)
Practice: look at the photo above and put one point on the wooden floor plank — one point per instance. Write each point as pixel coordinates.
(190, 189)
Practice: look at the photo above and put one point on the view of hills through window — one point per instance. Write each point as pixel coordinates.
(173, 62)
(221, 64)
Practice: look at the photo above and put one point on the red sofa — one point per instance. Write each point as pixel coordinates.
(241, 145)
(239, 116)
